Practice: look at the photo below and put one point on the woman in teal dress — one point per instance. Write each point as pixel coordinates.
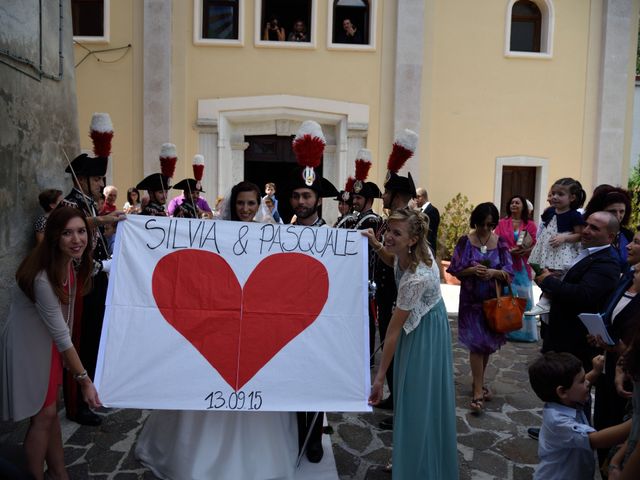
(424, 431)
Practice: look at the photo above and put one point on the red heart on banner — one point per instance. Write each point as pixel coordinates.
(239, 330)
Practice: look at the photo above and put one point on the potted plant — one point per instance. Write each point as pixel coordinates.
(454, 223)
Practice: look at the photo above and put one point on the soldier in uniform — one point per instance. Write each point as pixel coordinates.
(156, 186)
(398, 191)
(362, 194)
(188, 208)
(307, 190)
(347, 218)
(190, 204)
(88, 181)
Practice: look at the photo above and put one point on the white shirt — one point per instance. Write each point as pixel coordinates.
(585, 252)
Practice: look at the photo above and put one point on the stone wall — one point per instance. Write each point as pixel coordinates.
(38, 119)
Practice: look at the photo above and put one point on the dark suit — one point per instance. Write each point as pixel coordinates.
(609, 408)
(434, 222)
(585, 288)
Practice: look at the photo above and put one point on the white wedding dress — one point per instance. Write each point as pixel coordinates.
(204, 445)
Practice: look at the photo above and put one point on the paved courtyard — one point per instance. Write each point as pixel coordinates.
(493, 445)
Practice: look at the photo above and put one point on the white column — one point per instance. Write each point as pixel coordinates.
(237, 162)
(156, 65)
(620, 23)
(356, 141)
(330, 161)
(408, 78)
(208, 148)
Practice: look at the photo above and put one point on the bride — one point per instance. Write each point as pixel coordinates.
(180, 445)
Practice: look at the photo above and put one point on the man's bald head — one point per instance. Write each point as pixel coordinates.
(600, 229)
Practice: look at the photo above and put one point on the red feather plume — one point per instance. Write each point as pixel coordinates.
(198, 167)
(168, 166)
(308, 150)
(397, 159)
(362, 169)
(198, 172)
(168, 159)
(349, 185)
(101, 133)
(101, 143)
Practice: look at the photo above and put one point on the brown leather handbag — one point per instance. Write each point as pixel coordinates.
(504, 313)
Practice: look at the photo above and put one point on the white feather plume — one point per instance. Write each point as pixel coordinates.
(168, 150)
(309, 127)
(101, 122)
(364, 154)
(407, 139)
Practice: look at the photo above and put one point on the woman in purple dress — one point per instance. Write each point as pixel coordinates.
(479, 259)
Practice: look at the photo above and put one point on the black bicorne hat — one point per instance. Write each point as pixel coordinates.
(154, 183)
(189, 184)
(343, 196)
(85, 166)
(319, 184)
(400, 184)
(366, 189)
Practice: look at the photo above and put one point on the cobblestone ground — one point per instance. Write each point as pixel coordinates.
(492, 445)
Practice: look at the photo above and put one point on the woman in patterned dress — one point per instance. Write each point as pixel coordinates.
(479, 259)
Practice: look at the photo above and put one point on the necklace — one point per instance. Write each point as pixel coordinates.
(70, 299)
(483, 245)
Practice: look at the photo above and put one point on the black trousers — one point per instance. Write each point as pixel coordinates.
(305, 423)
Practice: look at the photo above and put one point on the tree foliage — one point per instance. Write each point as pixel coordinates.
(634, 190)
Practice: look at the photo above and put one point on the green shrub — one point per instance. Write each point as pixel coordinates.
(634, 190)
(454, 222)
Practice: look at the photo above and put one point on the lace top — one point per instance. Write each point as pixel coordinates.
(418, 292)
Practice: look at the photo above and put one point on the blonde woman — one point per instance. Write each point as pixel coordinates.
(424, 430)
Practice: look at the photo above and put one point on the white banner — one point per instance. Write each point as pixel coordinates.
(204, 314)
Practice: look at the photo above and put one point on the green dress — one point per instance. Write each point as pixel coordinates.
(424, 430)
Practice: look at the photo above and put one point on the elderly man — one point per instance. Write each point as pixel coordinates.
(584, 288)
(110, 196)
(423, 203)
